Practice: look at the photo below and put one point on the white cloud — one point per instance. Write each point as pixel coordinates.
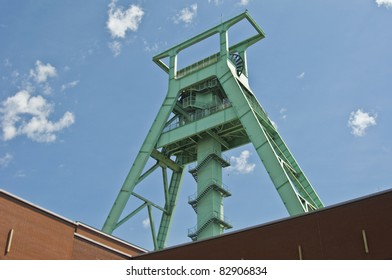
(243, 2)
(5, 160)
(301, 76)
(115, 47)
(15, 74)
(186, 15)
(150, 47)
(42, 72)
(121, 20)
(69, 85)
(241, 164)
(359, 121)
(146, 223)
(23, 114)
(386, 3)
(37, 79)
(282, 112)
(46, 89)
(20, 174)
(153, 47)
(216, 2)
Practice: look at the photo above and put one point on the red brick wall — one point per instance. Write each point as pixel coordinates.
(104, 239)
(85, 250)
(35, 235)
(40, 234)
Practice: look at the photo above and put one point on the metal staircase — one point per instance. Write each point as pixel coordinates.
(213, 217)
(224, 162)
(213, 185)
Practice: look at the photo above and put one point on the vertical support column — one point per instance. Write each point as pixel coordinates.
(173, 66)
(224, 48)
(211, 202)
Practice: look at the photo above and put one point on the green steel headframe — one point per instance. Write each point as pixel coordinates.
(209, 109)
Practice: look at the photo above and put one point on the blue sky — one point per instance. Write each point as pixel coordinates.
(79, 91)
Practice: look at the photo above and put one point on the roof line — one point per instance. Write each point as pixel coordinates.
(2, 191)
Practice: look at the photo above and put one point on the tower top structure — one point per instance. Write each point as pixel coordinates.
(221, 29)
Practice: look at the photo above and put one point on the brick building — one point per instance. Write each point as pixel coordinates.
(31, 232)
(358, 229)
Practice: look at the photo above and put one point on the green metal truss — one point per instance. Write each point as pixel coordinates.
(209, 109)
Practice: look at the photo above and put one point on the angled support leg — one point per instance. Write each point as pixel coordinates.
(139, 164)
(289, 192)
(170, 204)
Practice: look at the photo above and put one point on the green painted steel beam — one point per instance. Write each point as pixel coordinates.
(258, 136)
(149, 202)
(141, 159)
(170, 205)
(224, 26)
(165, 161)
(133, 213)
(219, 139)
(152, 227)
(180, 110)
(197, 127)
(165, 184)
(147, 173)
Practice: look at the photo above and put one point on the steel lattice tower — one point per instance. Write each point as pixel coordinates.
(209, 109)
